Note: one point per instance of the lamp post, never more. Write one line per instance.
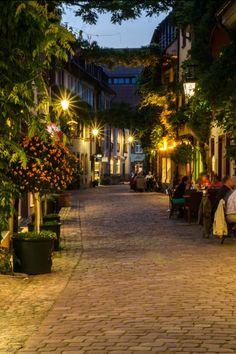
(130, 142)
(95, 131)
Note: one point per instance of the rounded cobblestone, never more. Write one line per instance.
(128, 280)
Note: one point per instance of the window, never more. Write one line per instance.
(166, 170)
(111, 167)
(138, 149)
(122, 80)
(117, 167)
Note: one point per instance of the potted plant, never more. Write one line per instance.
(48, 169)
(52, 217)
(54, 226)
(32, 251)
(50, 222)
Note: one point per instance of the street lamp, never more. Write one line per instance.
(65, 104)
(95, 132)
(189, 88)
(189, 80)
(130, 139)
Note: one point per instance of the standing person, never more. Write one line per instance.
(228, 185)
(149, 181)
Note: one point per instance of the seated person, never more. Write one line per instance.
(178, 196)
(231, 208)
(216, 183)
(224, 192)
(203, 180)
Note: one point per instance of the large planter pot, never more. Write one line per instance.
(51, 217)
(32, 256)
(53, 204)
(55, 228)
(64, 200)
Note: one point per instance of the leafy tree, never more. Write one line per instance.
(31, 37)
(49, 168)
(121, 10)
(183, 154)
(215, 100)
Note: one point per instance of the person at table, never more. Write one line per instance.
(228, 185)
(216, 183)
(178, 196)
(230, 209)
(203, 180)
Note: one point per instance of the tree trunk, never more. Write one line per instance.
(45, 205)
(38, 216)
(11, 220)
(15, 215)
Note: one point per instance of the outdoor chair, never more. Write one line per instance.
(174, 207)
(192, 205)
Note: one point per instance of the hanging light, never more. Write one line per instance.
(189, 88)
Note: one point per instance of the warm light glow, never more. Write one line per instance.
(65, 104)
(164, 145)
(95, 132)
(72, 122)
(172, 146)
(189, 89)
(130, 139)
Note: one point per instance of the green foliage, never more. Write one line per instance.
(216, 75)
(145, 56)
(120, 10)
(5, 261)
(51, 222)
(31, 38)
(156, 136)
(183, 154)
(178, 118)
(33, 235)
(119, 115)
(231, 150)
(200, 116)
(8, 191)
(200, 14)
(49, 166)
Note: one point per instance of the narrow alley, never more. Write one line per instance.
(127, 280)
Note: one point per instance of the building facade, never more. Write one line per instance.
(126, 154)
(88, 83)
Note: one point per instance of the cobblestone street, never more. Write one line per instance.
(128, 280)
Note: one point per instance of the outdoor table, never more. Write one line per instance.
(192, 203)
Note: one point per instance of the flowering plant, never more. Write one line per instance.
(49, 166)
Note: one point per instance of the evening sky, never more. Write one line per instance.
(130, 34)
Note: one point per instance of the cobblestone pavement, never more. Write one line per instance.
(143, 283)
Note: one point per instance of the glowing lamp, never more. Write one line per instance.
(65, 104)
(95, 132)
(189, 88)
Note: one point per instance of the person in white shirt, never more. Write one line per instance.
(231, 208)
